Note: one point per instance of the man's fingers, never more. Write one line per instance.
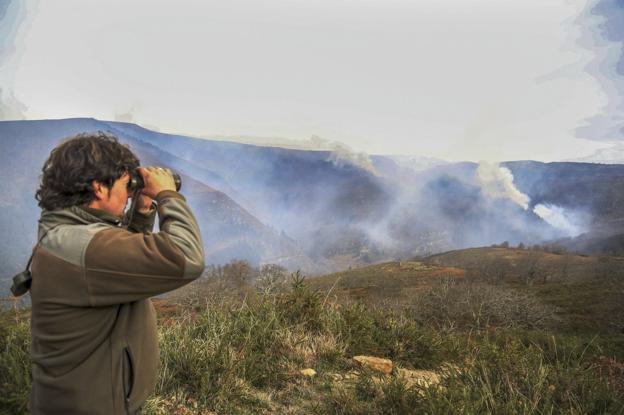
(157, 170)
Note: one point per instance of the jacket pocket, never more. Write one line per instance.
(128, 374)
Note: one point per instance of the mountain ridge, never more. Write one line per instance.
(322, 212)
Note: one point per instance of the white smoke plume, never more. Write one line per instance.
(497, 182)
(559, 218)
(342, 154)
(127, 116)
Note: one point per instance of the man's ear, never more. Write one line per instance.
(99, 189)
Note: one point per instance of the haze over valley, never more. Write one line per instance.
(323, 211)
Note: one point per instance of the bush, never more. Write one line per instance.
(472, 306)
(302, 305)
(224, 354)
(389, 335)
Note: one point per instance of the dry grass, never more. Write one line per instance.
(484, 348)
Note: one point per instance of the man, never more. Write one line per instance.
(94, 338)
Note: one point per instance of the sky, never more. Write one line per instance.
(481, 80)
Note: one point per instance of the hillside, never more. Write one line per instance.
(583, 293)
(390, 281)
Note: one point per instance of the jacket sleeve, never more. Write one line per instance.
(143, 222)
(122, 266)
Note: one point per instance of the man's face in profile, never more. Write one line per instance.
(114, 200)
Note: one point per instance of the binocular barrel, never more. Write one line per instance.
(137, 183)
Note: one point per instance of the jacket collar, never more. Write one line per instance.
(102, 215)
(76, 215)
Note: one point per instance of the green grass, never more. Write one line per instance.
(238, 356)
(14, 362)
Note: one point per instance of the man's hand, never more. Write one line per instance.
(156, 180)
(144, 204)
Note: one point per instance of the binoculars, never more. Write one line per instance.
(136, 181)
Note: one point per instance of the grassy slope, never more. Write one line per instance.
(587, 290)
(220, 354)
(391, 281)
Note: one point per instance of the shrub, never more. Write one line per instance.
(15, 378)
(302, 305)
(476, 306)
(389, 334)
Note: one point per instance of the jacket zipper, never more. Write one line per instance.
(128, 373)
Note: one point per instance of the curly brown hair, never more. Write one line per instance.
(73, 165)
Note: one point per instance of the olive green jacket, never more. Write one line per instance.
(94, 338)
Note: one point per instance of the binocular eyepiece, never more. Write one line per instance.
(136, 181)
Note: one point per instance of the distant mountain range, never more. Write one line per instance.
(321, 211)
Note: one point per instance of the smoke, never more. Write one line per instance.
(126, 116)
(130, 116)
(342, 154)
(497, 182)
(10, 107)
(559, 218)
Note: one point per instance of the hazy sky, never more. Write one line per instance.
(455, 79)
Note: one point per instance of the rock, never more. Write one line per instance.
(376, 363)
(308, 372)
